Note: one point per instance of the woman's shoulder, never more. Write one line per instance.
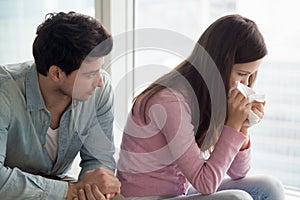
(167, 95)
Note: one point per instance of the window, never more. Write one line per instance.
(19, 20)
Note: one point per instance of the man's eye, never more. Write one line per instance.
(91, 75)
(242, 74)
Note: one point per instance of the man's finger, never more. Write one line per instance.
(97, 193)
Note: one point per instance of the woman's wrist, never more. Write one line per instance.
(233, 125)
(246, 144)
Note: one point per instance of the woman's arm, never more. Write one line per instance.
(204, 175)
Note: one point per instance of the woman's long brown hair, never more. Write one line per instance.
(229, 40)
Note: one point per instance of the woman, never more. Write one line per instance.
(185, 131)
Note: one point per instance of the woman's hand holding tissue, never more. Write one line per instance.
(238, 108)
(258, 108)
(253, 97)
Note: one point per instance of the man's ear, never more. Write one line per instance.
(55, 73)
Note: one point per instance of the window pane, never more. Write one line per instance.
(19, 20)
(276, 140)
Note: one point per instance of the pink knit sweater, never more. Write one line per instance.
(161, 158)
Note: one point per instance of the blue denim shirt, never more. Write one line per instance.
(85, 127)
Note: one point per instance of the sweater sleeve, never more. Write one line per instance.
(241, 164)
(204, 175)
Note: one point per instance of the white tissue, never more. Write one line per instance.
(252, 96)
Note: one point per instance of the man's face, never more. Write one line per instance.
(81, 84)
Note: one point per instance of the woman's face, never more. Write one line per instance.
(242, 71)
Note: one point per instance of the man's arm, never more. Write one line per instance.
(98, 148)
(14, 183)
(97, 176)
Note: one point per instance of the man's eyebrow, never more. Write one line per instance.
(92, 72)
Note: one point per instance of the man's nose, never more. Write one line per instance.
(100, 81)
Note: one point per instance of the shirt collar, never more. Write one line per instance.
(34, 97)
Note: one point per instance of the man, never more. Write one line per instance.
(55, 107)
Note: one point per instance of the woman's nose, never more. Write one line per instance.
(245, 81)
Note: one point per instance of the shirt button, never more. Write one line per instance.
(46, 122)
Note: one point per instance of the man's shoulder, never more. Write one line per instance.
(14, 71)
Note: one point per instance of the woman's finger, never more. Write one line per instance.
(258, 113)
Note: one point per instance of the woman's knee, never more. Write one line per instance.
(272, 187)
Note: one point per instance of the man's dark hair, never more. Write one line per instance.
(66, 39)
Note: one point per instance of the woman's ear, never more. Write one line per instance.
(55, 73)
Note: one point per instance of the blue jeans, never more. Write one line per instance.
(248, 188)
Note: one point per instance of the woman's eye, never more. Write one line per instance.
(242, 74)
